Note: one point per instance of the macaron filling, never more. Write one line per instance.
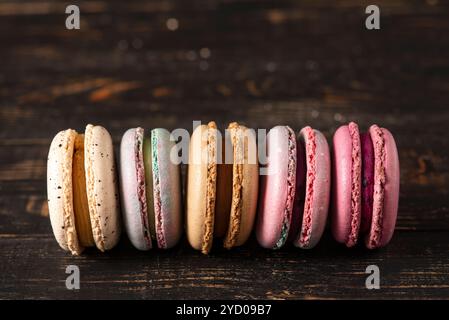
(310, 146)
(141, 192)
(224, 191)
(147, 158)
(300, 192)
(291, 186)
(374, 238)
(367, 182)
(157, 193)
(211, 181)
(355, 184)
(80, 203)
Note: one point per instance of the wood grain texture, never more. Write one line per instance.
(266, 63)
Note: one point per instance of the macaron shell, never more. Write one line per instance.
(386, 188)
(392, 185)
(274, 188)
(131, 204)
(200, 192)
(249, 204)
(167, 195)
(60, 192)
(245, 186)
(318, 184)
(346, 213)
(102, 190)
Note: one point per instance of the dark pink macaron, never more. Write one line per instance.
(347, 184)
(365, 186)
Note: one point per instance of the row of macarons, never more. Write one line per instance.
(90, 201)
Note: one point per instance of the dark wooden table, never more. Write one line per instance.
(260, 63)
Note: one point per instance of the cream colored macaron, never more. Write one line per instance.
(82, 190)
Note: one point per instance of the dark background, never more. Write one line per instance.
(267, 63)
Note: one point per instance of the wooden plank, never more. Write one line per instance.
(414, 265)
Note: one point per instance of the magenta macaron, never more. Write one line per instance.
(365, 186)
(150, 189)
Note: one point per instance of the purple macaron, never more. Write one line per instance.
(150, 189)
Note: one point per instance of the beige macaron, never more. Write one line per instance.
(222, 184)
(82, 190)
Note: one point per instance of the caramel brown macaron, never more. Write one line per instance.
(222, 186)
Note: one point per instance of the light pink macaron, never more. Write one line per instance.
(277, 189)
(313, 189)
(366, 186)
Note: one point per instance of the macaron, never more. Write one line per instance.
(366, 186)
(150, 189)
(82, 190)
(313, 183)
(277, 190)
(222, 186)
